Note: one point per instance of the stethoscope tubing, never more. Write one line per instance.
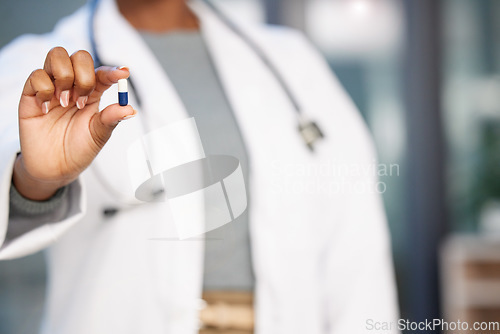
(308, 130)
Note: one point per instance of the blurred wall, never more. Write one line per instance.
(32, 16)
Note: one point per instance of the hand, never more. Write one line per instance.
(60, 127)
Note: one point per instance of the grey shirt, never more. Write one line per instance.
(27, 215)
(188, 64)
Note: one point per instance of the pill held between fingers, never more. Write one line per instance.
(122, 92)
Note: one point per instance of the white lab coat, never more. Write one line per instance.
(321, 256)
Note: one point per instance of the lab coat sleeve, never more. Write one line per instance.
(359, 285)
(16, 63)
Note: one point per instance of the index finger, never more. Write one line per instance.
(107, 76)
(60, 69)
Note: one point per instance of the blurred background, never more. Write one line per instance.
(425, 76)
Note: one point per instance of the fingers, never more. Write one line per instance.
(40, 85)
(71, 75)
(103, 123)
(85, 80)
(69, 79)
(59, 67)
(107, 76)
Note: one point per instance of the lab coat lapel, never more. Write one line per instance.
(180, 262)
(160, 104)
(128, 48)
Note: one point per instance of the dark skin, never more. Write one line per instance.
(158, 15)
(59, 105)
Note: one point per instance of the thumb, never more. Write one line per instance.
(103, 123)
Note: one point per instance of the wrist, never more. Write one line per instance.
(33, 188)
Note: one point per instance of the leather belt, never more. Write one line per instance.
(227, 312)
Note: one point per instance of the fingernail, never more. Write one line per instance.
(128, 117)
(45, 107)
(80, 102)
(124, 68)
(64, 100)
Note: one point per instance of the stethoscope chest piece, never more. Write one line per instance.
(310, 133)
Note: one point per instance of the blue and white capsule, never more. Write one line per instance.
(122, 92)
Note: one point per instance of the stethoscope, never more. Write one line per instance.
(309, 130)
